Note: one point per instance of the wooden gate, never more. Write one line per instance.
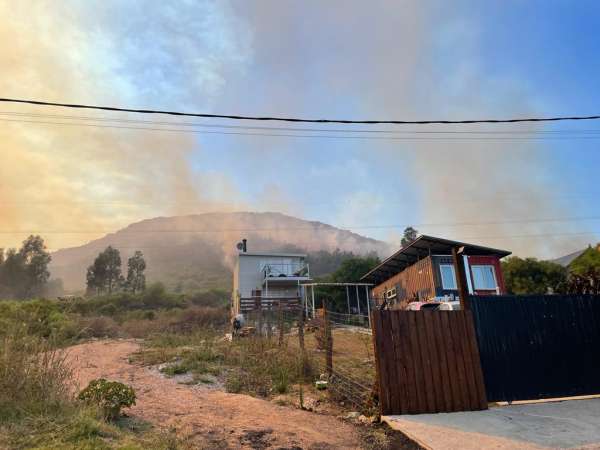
(427, 362)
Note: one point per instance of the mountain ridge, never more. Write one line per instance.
(196, 251)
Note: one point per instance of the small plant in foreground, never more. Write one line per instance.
(110, 396)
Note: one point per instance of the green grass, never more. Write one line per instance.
(83, 429)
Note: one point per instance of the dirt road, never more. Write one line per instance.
(215, 419)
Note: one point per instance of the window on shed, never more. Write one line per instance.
(484, 277)
(448, 277)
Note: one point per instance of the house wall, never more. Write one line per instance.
(415, 282)
(248, 276)
(492, 261)
(423, 280)
(437, 276)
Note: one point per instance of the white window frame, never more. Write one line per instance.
(391, 293)
(453, 288)
(478, 266)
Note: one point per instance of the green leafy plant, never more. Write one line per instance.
(110, 396)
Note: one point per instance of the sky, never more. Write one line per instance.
(529, 189)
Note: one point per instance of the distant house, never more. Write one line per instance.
(272, 277)
(424, 271)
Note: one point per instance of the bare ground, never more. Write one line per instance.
(213, 419)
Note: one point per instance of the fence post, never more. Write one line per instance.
(280, 311)
(258, 309)
(328, 340)
(269, 313)
(301, 341)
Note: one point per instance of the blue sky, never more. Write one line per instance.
(399, 60)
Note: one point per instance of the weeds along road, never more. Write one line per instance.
(212, 418)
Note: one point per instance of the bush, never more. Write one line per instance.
(198, 317)
(97, 327)
(110, 396)
(35, 378)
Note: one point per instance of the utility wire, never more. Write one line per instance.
(308, 228)
(304, 129)
(315, 136)
(293, 119)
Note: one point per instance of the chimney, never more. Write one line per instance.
(244, 248)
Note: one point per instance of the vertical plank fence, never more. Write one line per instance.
(539, 346)
(427, 362)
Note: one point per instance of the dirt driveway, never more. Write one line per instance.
(215, 419)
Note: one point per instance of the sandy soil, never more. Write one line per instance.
(213, 418)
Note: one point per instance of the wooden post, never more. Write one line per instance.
(269, 313)
(258, 307)
(281, 322)
(301, 341)
(461, 279)
(328, 341)
(368, 305)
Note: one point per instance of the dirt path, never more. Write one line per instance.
(216, 419)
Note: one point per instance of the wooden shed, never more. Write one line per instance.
(424, 270)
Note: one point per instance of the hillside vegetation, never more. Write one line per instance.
(191, 253)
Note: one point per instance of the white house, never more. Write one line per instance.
(278, 276)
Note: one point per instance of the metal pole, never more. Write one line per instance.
(348, 299)
(461, 278)
(368, 305)
(357, 299)
(313, 301)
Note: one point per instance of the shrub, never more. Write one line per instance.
(34, 377)
(111, 396)
(197, 316)
(98, 327)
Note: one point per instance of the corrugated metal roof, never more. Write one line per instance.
(420, 248)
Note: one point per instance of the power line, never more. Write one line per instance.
(496, 237)
(317, 136)
(304, 129)
(293, 119)
(316, 227)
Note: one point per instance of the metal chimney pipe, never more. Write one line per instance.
(244, 245)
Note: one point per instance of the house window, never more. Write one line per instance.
(391, 293)
(484, 277)
(448, 277)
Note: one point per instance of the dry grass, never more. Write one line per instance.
(34, 377)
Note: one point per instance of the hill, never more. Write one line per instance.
(197, 251)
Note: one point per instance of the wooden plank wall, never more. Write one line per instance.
(416, 281)
(427, 362)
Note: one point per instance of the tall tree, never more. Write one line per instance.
(36, 259)
(136, 280)
(410, 234)
(531, 276)
(24, 273)
(104, 275)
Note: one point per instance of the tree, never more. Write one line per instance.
(24, 273)
(136, 280)
(349, 271)
(588, 261)
(36, 260)
(584, 273)
(104, 275)
(531, 276)
(410, 234)
(352, 269)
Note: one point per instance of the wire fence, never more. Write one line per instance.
(339, 345)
